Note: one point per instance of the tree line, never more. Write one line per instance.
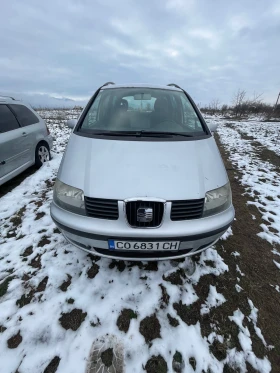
(242, 106)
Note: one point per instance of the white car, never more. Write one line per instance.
(24, 138)
(142, 177)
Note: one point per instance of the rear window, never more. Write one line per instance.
(24, 115)
(142, 109)
(8, 121)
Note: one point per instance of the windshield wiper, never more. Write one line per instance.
(141, 133)
(114, 133)
(160, 133)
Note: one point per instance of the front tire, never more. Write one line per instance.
(42, 154)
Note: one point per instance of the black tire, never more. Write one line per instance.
(42, 154)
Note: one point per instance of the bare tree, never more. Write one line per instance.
(238, 101)
(224, 109)
(243, 106)
(214, 106)
(257, 98)
(255, 105)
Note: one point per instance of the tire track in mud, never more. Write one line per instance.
(255, 261)
(261, 150)
(260, 178)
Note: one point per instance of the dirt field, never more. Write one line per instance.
(58, 306)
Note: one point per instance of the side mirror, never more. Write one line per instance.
(71, 123)
(212, 127)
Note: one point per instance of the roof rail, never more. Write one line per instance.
(108, 83)
(8, 97)
(174, 85)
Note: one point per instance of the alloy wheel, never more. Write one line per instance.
(43, 154)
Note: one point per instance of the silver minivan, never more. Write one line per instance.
(24, 138)
(142, 177)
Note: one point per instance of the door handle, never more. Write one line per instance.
(24, 134)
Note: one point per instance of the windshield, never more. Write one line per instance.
(142, 110)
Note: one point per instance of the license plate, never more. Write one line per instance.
(141, 246)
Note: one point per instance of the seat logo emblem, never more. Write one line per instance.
(144, 214)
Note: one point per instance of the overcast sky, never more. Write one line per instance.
(68, 48)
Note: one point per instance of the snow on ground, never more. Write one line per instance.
(246, 343)
(260, 178)
(56, 120)
(266, 133)
(56, 300)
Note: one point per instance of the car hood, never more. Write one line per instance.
(120, 169)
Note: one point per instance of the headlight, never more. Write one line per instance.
(217, 200)
(69, 198)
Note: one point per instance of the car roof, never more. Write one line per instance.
(11, 100)
(141, 85)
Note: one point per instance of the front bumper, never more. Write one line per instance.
(92, 234)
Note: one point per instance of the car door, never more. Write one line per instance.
(13, 142)
(30, 124)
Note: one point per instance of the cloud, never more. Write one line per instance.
(205, 35)
(71, 48)
(275, 9)
(240, 22)
(181, 5)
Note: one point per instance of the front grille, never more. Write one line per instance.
(132, 209)
(187, 210)
(102, 208)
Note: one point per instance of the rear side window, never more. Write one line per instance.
(24, 115)
(8, 121)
